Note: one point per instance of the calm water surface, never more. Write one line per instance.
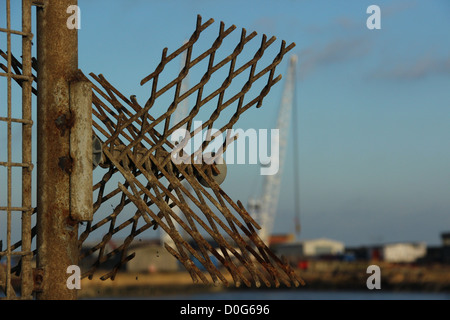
(311, 295)
(297, 295)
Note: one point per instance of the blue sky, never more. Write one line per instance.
(373, 105)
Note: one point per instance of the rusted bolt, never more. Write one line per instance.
(64, 122)
(66, 164)
(38, 279)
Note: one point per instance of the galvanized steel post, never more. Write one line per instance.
(57, 231)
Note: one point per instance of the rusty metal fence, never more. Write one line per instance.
(15, 154)
(139, 185)
(140, 152)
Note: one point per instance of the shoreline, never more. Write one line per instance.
(323, 276)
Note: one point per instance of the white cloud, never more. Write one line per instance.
(413, 69)
(336, 51)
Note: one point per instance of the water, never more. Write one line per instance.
(309, 295)
(296, 295)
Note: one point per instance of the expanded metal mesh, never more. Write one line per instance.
(16, 157)
(214, 227)
(140, 186)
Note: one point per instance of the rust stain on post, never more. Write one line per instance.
(57, 52)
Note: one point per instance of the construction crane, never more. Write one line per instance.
(264, 208)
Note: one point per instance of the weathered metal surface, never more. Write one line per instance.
(26, 272)
(81, 199)
(57, 55)
(212, 227)
(21, 269)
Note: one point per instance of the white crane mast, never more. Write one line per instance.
(268, 203)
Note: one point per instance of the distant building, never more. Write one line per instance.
(434, 255)
(151, 258)
(359, 253)
(439, 254)
(404, 252)
(401, 252)
(277, 239)
(294, 251)
(91, 258)
(445, 239)
(445, 247)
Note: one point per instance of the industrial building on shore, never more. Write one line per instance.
(150, 256)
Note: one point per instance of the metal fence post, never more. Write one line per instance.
(57, 232)
(16, 275)
(26, 287)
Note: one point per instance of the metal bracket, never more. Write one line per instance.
(81, 147)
